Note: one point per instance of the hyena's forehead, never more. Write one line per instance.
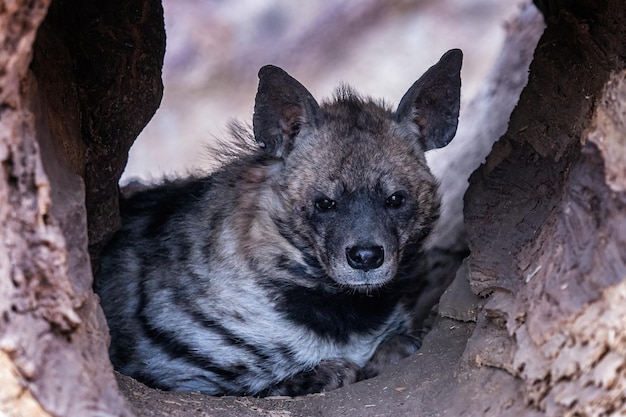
(344, 161)
(356, 124)
(358, 143)
(384, 147)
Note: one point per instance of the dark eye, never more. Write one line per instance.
(395, 200)
(325, 204)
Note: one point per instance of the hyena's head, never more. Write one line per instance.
(354, 188)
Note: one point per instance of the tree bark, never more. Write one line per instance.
(546, 217)
(75, 90)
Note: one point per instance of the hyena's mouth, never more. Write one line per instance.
(363, 268)
(363, 280)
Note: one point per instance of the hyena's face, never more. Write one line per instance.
(354, 187)
(358, 192)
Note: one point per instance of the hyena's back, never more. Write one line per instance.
(282, 272)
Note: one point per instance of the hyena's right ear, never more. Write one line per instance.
(432, 103)
(282, 106)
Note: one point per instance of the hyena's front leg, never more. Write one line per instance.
(328, 375)
(390, 352)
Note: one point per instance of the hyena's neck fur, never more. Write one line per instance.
(253, 224)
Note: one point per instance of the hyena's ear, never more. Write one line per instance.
(433, 102)
(282, 107)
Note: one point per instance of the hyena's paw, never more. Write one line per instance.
(390, 352)
(328, 375)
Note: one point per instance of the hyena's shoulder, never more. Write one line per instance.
(155, 206)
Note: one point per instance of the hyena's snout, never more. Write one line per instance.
(362, 263)
(365, 258)
(360, 248)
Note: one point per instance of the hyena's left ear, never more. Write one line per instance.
(282, 107)
(433, 102)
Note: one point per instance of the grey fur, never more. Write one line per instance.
(283, 272)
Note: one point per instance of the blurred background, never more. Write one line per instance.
(216, 47)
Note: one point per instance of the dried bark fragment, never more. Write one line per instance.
(43, 337)
(607, 131)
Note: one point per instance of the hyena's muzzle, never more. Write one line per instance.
(361, 244)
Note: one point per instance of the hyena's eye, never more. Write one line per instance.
(395, 200)
(325, 204)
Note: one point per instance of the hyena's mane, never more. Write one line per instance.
(182, 188)
(358, 110)
(347, 95)
(240, 144)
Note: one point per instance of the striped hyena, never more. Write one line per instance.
(286, 270)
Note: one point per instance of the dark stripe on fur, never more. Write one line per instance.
(335, 314)
(198, 316)
(171, 345)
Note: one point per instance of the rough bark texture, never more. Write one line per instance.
(113, 54)
(48, 352)
(545, 219)
(93, 83)
(22, 223)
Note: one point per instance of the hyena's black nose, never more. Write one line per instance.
(365, 257)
